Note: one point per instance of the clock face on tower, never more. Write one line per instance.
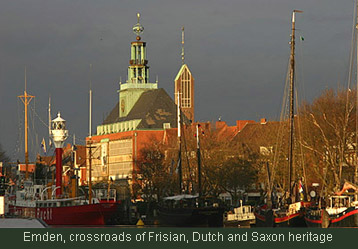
(122, 105)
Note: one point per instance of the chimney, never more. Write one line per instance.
(263, 121)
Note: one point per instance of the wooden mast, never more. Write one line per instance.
(26, 99)
(199, 159)
(291, 114)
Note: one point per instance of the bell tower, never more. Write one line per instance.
(138, 73)
(184, 84)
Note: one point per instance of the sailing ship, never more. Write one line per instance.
(47, 202)
(291, 212)
(186, 210)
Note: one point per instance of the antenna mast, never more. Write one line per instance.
(26, 99)
(182, 45)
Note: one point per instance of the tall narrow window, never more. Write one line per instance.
(185, 89)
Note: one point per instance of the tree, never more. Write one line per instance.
(153, 174)
(328, 135)
(236, 175)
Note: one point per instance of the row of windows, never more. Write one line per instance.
(185, 89)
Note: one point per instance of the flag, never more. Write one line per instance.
(300, 187)
(43, 145)
(301, 190)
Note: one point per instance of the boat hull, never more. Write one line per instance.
(321, 219)
(90, 214)
(191, 217)
(270, 218)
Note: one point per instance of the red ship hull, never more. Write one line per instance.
(90, 214)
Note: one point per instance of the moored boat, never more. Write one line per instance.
(290, 216)
(49, 203)
(243, 216)
(288, 212)
(341, 211)
(31, 203)
(190, 211)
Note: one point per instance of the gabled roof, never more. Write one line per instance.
(153, 108)
(181, 71)
(257, 134)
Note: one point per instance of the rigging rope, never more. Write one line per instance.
(352, 48)
(279, 138)
(301, 80)
(17, 148)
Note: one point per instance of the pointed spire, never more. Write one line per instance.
(182, 45)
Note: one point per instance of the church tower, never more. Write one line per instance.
(184, 84)
(138, 74)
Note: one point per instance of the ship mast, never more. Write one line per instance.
(199, 158)
(90, 142)
(26, 99)
(291, 111)
(179, 144)
(49, 118)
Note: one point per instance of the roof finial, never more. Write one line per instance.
(138, 28)
(182, 45)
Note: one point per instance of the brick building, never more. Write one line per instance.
(143, 113)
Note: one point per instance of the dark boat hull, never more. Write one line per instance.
(270, 218)
(321, 219)
(90, 214)
(191, 217)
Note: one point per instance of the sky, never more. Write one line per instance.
(237, 51)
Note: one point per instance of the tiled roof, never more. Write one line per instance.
(154, 108)
(257, 134)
